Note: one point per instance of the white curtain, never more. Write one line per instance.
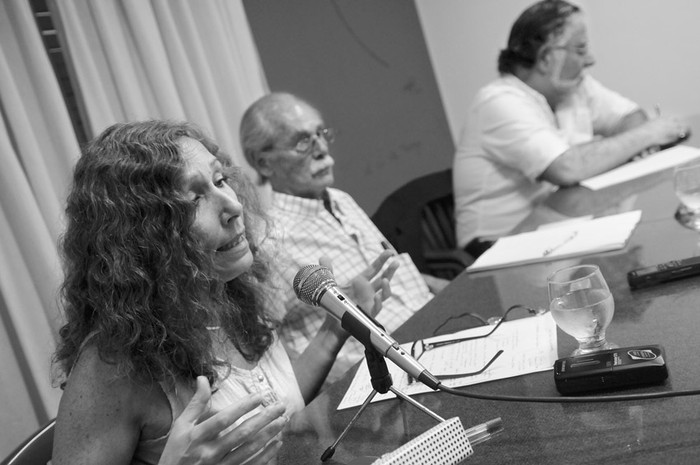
(37, 150)
(189, 60)
(176, 59)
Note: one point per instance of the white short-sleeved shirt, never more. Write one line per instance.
(510, 138)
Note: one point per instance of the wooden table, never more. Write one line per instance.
(636, 432)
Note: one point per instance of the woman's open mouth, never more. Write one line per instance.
(229, 245)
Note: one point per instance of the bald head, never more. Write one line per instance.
(265, 122)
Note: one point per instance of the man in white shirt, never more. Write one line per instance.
(286, 141)
(543, 123)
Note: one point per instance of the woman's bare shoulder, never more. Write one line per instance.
(100, 386)
(103, 413)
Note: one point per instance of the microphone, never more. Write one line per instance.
(315, 285)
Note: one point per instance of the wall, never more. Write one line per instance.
(646, 49)
(365, 65)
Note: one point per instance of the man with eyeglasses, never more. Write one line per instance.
(543, 123)
(287, 142)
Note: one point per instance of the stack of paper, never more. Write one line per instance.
(650, 164)
(555, 243)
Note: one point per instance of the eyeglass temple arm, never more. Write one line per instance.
(473, 373)
(432, 345)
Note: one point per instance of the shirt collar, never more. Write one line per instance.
(303, 205)
(514, 81)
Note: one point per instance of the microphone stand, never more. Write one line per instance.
(381, 383)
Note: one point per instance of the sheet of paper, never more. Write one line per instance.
(656, 162)
(529, 345)
(568, 239)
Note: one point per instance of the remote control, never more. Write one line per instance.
(664, 272)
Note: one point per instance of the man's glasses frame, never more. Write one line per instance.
(578, 50)
(305, 143)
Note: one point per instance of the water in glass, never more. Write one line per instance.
(582, 305)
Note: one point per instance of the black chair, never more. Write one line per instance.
(35, 450)
(418, 218)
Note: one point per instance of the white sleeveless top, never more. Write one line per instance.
(272, 377)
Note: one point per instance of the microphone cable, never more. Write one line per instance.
(569, 399)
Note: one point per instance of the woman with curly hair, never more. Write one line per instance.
(167, 355)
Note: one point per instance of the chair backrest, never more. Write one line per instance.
(418, 218)
(438, 222)
(35, 450)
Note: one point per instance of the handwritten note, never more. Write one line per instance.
(529, 345)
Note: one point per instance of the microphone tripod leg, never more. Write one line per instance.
(416, 404)
(381, 382)
(328, 453)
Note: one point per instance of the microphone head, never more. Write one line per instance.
(311, 281)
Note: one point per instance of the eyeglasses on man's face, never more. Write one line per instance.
(305, 141)
(580, 51)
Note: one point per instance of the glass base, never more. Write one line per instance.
(688, 218)
(589, 349)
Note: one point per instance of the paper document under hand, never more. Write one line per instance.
(529, 345)
(568, 240)
(650, 164)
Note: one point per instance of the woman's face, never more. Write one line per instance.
(219, 215)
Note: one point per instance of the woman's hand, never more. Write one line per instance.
(196, 438)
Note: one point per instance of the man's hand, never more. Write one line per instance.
(371, 287)
(368, 290)
(665, 131)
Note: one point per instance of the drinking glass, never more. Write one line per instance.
(582, 306)
(686, 182)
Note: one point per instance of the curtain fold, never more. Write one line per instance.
(174, 59)
(37, 150)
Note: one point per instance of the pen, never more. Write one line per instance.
(561, 244)
(485, 431)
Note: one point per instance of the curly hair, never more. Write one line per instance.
(134, 272)
(531, 31)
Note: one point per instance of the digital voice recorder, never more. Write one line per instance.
(610, 369)
(664, 272)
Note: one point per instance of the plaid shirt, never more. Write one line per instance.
(307, 231)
